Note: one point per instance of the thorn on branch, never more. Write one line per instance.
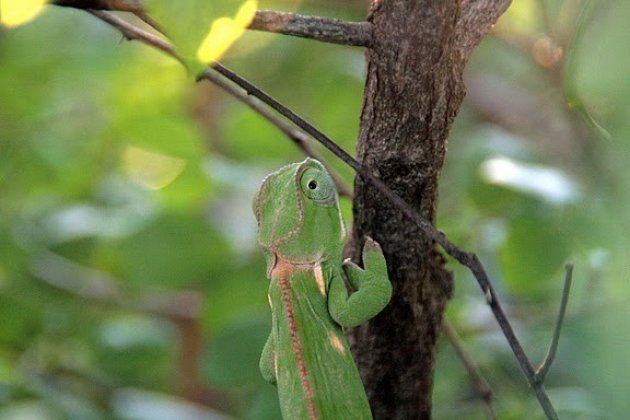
(488, 295)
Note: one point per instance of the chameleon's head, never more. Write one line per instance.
(298, 213)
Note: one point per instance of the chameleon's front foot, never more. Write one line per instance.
(371, 284)
(375, 267)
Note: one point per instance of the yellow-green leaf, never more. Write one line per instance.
(16, 12)
(224, 32)
(202, 30)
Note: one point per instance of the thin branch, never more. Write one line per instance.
(183, 309)
(542, 370)
(334, 31)
(96, 286)
(143, 16)
(468, 259)
(322, 29)
(132, 32)
(476, 378)
(113, 5)
(299, 138)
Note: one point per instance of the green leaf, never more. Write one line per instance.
(532, 253)
(174, 251)
(233, 355)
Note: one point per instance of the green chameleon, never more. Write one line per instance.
(306, 355)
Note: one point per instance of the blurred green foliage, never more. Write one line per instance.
(130, 283)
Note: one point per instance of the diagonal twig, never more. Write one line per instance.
(476, 378)
(542, 370)
(182, 309)
(335, 31)
(468, 259)
(298, 137)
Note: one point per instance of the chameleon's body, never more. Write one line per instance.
(307, 355)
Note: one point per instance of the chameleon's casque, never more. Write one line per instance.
(307, 356)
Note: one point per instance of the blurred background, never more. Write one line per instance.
(130, 283)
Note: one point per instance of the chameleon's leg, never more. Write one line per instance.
(372, 288)
(267, 362)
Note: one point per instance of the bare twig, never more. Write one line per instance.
(468, 259)
(114, 5)
(132, 32)
(322, 29)
(299, 138)
(542, 370)
(143, 16)
(476, 378)
(96, 286)
(183, 309)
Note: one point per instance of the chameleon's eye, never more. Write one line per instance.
(317, 185)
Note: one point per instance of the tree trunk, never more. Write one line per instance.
(413, 91)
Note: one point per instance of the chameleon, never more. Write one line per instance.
(307, 356)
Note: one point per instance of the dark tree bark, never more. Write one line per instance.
(413, 91)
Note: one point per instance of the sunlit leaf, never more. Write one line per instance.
(521, 16)
(17, 12)
(224, 32)
(151, 170)
(202, 30)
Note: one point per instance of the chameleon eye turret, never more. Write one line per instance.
(318, 186)
(306, 355)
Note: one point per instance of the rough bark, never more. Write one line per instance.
(414, 88)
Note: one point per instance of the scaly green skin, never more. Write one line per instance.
(307, 355)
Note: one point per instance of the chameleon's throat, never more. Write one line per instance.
(298, 264)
